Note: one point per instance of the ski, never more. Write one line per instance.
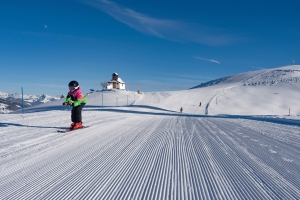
(70, 130)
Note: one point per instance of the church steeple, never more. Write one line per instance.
(115, 76)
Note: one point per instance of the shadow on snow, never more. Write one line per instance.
(23, 125)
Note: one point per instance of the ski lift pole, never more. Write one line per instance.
(22, 100)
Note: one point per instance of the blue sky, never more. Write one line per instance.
(152, 45)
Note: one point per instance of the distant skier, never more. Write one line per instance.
(76, 99)
(181, 109)
(200, 104)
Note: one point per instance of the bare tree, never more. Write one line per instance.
(104, 85)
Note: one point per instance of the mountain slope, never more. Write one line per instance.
(264, 92)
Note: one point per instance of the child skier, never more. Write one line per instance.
(76, 99)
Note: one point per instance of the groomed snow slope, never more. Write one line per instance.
(145, 151)
(127, 155)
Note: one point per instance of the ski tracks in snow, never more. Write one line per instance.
(131, 156)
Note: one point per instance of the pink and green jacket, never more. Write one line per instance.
(77, 97)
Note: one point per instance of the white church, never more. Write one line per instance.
(115, 83)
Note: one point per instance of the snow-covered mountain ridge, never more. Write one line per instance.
(273, 77)
(13, 101)
(282, 75)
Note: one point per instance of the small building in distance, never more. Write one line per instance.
(115, 83)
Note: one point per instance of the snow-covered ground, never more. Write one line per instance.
(227, 148)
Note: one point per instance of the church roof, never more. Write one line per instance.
(120, 80)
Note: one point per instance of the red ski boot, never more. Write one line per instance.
(77, 125)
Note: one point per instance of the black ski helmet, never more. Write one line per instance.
(73, 84)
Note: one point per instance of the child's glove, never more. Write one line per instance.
(70, 103)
